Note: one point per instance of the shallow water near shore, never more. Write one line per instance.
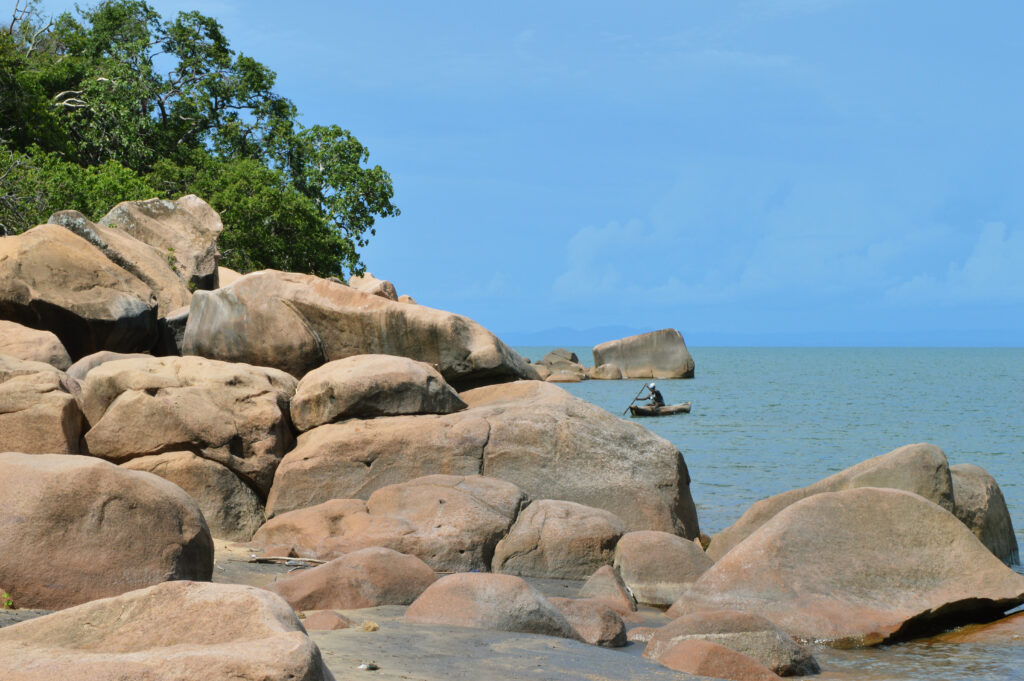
(766, 420)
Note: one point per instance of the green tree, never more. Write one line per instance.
(167, 105)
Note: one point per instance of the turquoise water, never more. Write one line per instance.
(765, 420)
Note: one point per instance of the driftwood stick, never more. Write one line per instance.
(285, 559)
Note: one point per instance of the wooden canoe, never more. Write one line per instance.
(667, 410)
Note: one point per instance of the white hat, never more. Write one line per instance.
(652, 385)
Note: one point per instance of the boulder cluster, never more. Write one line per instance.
(657, 354)
(151, 401)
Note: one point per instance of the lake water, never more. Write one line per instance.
(765, 420)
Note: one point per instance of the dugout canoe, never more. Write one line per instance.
(667, 410)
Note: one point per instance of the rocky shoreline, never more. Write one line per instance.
(278, 476)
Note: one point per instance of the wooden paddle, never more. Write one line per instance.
(635, 399)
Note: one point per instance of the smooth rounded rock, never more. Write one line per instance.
(362, 579)
(38, 414)
(177, 631)
(918, 468)
(709, 659)
(367, 386)
(606, 372)
(34, 345)
(606, 586)
(659, 567)
(859, 567)
(594, 622)
(78, 528)
(658, 354)
(488, 601)
(980, 506)
(558, 539)
(367, 283)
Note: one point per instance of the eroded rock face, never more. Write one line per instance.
(362, 579)
(366, 386)
(232, 510)
(532, 434)
(659, 567)
(658, 354)
(751, 635)
(918, 468)
(233, 414)
(148, 264)
(451, 522)
(176, 631)
(559, 539)
(38, 414)
(594, 622)
(368, 283)
(184, 231)
(980, 506)
(297, 322)
(33, 345)
(57, 281)
(488, 601)
(80, 529)
(858, 567)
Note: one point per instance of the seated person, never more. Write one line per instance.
(656, 400)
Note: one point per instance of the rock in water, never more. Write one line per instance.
(920, 468)
(178, 631)
(37, 413)
(532, 434)
(658, 354)
(297, 322)
(54, 280)
(980, 505)
(78, 528)
(234, 414)
(859, 567)
(749, 634)
(185, 231)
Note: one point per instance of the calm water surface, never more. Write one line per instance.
(766, 420)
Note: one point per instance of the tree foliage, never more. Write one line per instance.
(120, 104)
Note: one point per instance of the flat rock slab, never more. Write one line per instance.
(406, 651)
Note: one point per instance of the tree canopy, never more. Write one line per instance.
(119, 104)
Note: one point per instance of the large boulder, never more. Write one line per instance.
(658, 354)
(184, 231)
(859, 567)
(558, 539)
(659, 567)
(296, 322)
(980, 506)
(148, 264)
(488, 601)
(34, 345)
(79, 369)
(367, 283)
(746, 633)
(918, 468)
(564, 366)
(55, 280)
(232, 510)
(362, 579)
(366, 386)
(533, 434)
(177, 631)
(451, 522)
(234, 414)
(38, 414)
(78, 528)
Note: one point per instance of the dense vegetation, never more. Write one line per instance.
(120, 104)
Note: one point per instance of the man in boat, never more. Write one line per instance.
(654, 395)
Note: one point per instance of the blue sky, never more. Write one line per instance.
(765, 172)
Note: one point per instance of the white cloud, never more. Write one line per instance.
(992, 272)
